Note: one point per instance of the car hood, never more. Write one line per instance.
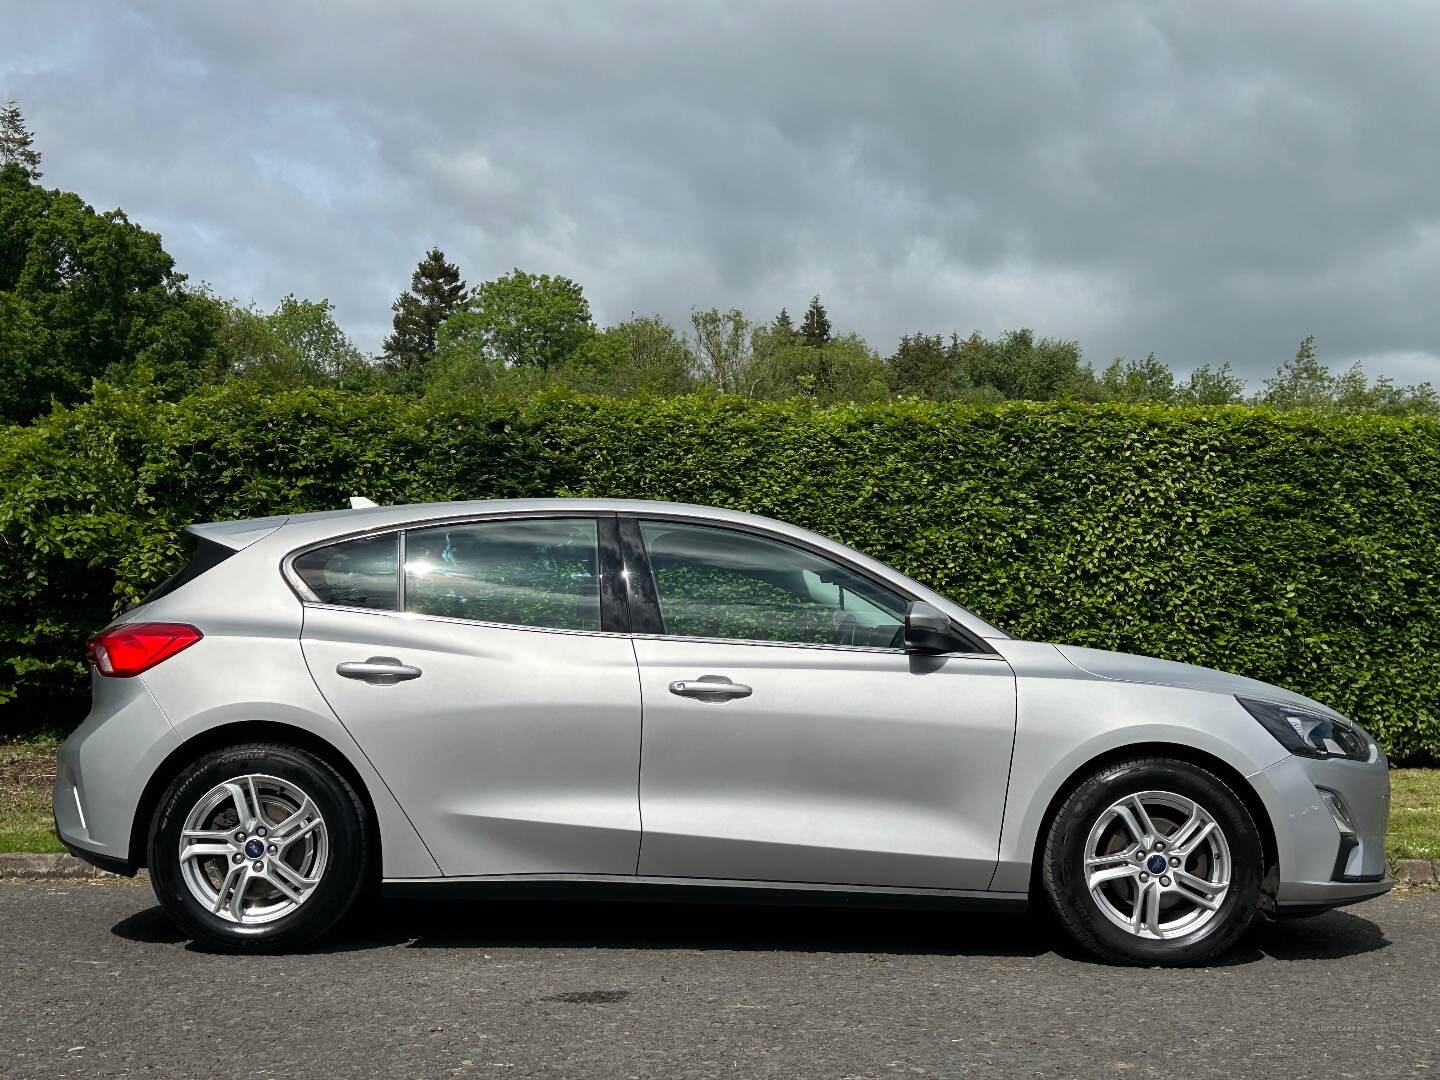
(1128, 667)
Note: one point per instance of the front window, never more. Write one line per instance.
(722, 583)
(526, 572)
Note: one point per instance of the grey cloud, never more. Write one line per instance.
(1210, 182)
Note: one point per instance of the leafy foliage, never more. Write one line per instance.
(1297, 548)
(298, 344)
(1015, 366)
(85, 295)
(521, 320)
(843, 369)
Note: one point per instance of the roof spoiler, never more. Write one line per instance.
(237, 535)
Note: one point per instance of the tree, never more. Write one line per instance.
(773, 337)
(85, 295)
(436, 292)
(1355, 393)
(815, 329)
(298, 344)
(1211, 386)
(1300, 383)
(723, 350)
(15, 140)
(925, 366)
(642, 355)
(1020, 367)
(844, 369)
(1138, 381)
(523, 320)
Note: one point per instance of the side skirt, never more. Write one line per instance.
(591, 887)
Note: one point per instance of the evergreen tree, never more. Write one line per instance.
(923, 367)
(15, 140)
(816, 327)
(436, 292)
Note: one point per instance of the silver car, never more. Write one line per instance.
(588, 696)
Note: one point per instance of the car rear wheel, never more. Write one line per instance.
(258, 847)
(1154, 861)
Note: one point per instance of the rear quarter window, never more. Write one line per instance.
(353, 573)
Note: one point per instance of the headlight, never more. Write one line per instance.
(1310, 734)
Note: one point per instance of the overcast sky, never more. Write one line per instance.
(1207, 181)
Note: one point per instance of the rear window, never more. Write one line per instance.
(353, 573)
(543, 572)
(203, 555)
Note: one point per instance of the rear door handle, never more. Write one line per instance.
(710, 688)
(378, 670)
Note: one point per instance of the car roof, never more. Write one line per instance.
(321, 524)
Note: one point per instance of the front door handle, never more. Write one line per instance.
(378, 670)
(710, 688)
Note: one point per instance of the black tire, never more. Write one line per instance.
(345, 874)
(1063, 863)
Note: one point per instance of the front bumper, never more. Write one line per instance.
(1329, 818)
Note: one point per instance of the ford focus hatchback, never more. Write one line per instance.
(591, 695)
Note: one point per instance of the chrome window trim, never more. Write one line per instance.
(309, 600)
(798, 544)
(302, 591)
(815, 645)
(415, 616)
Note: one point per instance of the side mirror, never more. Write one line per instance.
(927, 628)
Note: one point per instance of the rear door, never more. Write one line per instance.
(483, 667)
(790, 737)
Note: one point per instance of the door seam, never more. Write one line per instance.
(640, 759)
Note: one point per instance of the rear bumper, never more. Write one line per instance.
(103, 769)
(123, 867)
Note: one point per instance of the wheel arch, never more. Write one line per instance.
(1193, 756)
(231, 734)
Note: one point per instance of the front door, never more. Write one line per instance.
(790, 738)
(488, 688)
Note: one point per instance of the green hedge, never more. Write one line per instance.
(1297, 549)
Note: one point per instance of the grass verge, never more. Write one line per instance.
(1414, 814)
(27, 770)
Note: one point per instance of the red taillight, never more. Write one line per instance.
(123, 651)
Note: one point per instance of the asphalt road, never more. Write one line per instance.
(95, 982)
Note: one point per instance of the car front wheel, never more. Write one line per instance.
(1154, 861)
(258, 847)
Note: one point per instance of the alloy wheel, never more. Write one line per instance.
(253, 849)
(1157, 865)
